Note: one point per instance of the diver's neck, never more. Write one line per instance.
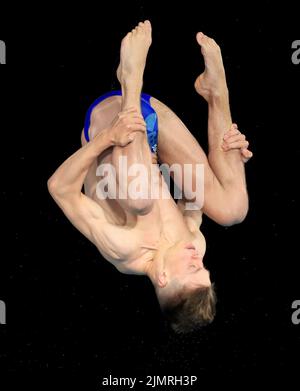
(169, 238)
(175, 231)
(172, 232)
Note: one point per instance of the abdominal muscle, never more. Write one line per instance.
(145, 231)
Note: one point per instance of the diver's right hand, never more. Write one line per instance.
(125, 126)
(234, 139)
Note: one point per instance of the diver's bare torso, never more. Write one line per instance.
(145, 232)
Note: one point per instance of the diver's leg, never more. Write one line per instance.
(225, 195)
(134, 49)
(101, 117)
(227, 165)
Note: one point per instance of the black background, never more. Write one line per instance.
(71, 314)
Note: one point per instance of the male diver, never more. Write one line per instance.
(157, 237)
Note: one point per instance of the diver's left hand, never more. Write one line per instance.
(234, 139)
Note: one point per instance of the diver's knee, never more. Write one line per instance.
(235, 215)
(140, 207)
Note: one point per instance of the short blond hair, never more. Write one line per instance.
(195, 309)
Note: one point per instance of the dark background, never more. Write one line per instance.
(71, 314)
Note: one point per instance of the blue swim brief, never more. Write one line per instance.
(148, 112)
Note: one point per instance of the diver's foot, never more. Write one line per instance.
(133, 55)
(212, 82)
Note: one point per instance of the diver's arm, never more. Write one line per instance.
(66, 183)
(69, 177)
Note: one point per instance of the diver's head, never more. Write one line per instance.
(188, 310)
(183, 287)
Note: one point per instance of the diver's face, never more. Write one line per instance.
(185, 263)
